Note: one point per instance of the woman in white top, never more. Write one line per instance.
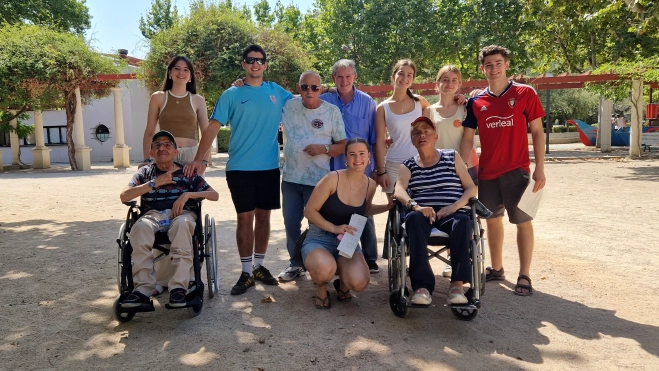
(448, 114)
(393, 116)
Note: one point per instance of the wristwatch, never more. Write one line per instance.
(326, 148)
(410, 204)
(152, 184)
(204, 162)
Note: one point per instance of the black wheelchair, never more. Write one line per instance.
(399, 300)
(203, 247)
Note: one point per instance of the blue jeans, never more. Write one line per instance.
(369, 240)
(295, 197)
(318, 238)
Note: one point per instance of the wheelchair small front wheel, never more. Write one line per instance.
(464, 314)
(118, 315)
(398, 304)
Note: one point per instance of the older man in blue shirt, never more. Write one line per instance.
(358, 111)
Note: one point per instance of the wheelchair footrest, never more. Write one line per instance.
(472, 306)
(191, 303)
(412, 305)
(142, 308)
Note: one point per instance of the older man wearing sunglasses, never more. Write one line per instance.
(314, 134)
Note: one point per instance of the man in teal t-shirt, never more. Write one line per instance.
(254, 113)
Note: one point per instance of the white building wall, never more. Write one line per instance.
(135, 100)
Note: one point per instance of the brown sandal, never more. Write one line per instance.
(341, 295)
(326, 302)
(523, 286)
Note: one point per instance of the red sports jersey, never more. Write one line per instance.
(502, 122)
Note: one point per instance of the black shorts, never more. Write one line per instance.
(505, 192)
(254, 189)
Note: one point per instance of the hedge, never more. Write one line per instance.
(223, 139)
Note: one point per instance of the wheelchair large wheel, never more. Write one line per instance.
(121, 317)
(398, 303)
(120, 249)
(386, 247)
(211, 256)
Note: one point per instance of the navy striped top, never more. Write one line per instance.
(437, 185)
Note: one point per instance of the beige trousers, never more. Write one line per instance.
(186, 155)
(142, 238)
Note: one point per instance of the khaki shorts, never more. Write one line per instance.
(505, 192)
(186, 155)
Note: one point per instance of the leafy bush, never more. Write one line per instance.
(223, 140)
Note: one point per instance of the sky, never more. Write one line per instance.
(115, 23)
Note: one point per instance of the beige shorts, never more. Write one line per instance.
(186, 154)
(391, 168)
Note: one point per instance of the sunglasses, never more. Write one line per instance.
(306, 87)
(167, 145)
(252, 60)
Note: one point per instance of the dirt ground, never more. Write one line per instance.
(594, 273)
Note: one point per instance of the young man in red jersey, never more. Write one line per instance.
(502, 113)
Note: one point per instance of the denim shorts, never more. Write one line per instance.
(321, 239)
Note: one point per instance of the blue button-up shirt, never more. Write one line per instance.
(359, 121)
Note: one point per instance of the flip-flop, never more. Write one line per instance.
(346, 294)
(324, 301)
(494, 275)
(523, 286)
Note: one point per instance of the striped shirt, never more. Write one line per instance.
(164, 197)
(437, 185)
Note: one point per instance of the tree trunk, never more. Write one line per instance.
(70, 108)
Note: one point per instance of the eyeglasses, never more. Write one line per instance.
(306, 87)
(252, 60)
(167, 145)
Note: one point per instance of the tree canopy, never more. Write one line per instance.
(62, 15)
(160, 17)
(41, 68)
(213, 36)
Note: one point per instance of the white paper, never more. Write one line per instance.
(530, 202)
(349, 241)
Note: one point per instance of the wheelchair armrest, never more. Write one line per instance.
(480, 209)
(130, 203)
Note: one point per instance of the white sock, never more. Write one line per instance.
(258, 259)
(246, 261)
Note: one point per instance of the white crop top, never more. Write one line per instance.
(399, 127)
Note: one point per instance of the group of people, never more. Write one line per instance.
(339, 147)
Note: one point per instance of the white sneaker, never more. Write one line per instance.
(447, 271)
(422, 297)
(291, 273)
(456, 296)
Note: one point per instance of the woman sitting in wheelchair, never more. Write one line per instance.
(436, 187)
(338, 196)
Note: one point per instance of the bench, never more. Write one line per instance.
(650, 140)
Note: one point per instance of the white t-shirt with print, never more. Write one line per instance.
(303, 126)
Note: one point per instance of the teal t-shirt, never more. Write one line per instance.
(254, 114)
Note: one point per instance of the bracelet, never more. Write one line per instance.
(382, 173)
(204, 162)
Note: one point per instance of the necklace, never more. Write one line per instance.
(357, 186)
(179, 96)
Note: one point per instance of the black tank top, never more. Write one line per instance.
(336, 212)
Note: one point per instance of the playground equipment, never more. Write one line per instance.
(619, 137)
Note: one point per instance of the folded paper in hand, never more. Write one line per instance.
(530, 202)
(349, 241)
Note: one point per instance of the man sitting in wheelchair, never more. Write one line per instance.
(436, 187)
(166, 201)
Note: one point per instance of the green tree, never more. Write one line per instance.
(288, 19)
(213, 36)
(161, 17)
(41, 69)
(21, 130)
(62, 15)
(263, 14)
